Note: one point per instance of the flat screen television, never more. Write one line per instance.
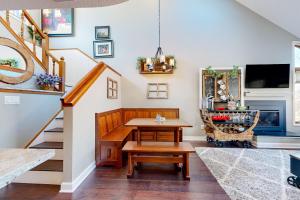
(267, 76)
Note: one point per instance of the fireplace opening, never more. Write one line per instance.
(272, 120)
(269, 118)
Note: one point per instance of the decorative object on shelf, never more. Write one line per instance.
(222, 84)
(47, 81)
(103, 49)
(11, 62)
(242, 108)
(214, 73)
(112, 89)
(102, 32)
(158, 91)
(232, 105)
(234, 73)
(160, 63)
(222, 90)
(218, 74)
(58, 22)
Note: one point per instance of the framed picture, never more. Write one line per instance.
(58, 22)
(102, 32)
(112, 89)
(103, 49)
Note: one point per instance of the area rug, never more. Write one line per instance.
(251, 174)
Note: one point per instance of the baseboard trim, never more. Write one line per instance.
(70, 187)
(194, 138)
(275, 145)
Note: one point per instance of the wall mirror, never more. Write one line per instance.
(16, 65)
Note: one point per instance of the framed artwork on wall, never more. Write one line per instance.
(158, 91)
(58, 22)
(102, 32)
(112, 89)
(103, 49)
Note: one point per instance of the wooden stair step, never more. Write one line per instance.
(50, 165)
(54, 130)
(48, 145)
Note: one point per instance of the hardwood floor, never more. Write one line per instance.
(154, 182)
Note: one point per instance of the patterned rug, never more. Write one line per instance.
(251, 174)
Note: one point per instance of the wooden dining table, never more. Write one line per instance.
(175, 152)
(144, 124)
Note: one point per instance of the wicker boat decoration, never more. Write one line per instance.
(234, 126)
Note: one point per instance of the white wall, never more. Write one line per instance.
(79, 128)
(20, 123)
(77, 64)
(199, 33)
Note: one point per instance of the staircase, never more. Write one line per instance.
(51, 171)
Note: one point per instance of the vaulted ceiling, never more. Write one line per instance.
(283, 13)
(38, 4)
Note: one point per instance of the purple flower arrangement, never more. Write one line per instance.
(47, 80)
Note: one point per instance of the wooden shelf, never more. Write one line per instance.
(156, 72)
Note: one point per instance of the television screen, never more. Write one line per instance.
(267, 76)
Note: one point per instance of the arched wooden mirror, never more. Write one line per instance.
(16, 65)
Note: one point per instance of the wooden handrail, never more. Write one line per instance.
(31, 21)
(52, 57)
(71, 98)
(43, 128)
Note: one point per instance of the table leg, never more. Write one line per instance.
(186, 166)
(130, 166)
(176, 135)
(138, 137)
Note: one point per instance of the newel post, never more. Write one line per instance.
(62, 73)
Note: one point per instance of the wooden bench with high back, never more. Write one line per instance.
(112, 135)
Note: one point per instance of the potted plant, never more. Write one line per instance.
(47, 81)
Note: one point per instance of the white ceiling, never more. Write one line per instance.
(38, 4)
(283, 13)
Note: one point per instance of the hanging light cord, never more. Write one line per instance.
(158, 23)
(159, 50)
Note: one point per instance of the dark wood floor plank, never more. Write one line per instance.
(48, 145)
(154, 182)
(50, 165)
(55, 130)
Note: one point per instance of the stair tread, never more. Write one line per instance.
(48, 145)
(60, 118)
(57, 129)
(50, 165)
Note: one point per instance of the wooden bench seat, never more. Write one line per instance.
(118, 135)
(112, 135)
(151, 152)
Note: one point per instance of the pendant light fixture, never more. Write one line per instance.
(160, 62)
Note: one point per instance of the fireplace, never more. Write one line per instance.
(272, 120)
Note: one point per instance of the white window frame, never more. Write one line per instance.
(294, 83)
